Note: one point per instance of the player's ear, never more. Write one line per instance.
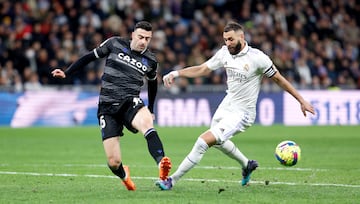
(241, 35)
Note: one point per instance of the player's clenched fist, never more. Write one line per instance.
(169, 78)
(58, 73)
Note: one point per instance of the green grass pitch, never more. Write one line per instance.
(68, 165)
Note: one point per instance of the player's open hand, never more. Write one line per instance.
(307, 107)
(58, 73)
(169, 78)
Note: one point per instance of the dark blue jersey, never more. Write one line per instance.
(124, 69)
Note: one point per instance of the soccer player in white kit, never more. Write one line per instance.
(245, 66)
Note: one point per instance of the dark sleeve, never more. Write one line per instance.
(152, 90)
(80, 63)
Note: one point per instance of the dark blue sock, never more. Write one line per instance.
(154, 145)
(120, 172)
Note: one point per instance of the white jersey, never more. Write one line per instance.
(244, 74)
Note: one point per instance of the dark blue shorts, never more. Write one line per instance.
(114, 116)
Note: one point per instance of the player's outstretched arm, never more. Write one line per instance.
(286, 85)
(189, 72)
(77, 65)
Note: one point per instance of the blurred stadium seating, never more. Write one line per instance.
(315, 44)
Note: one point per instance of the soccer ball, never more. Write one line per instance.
(288, 153)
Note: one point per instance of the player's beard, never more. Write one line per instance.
(236, 49)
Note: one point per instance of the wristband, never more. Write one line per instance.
(175, 73)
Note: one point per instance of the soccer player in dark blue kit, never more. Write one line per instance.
(128, 61)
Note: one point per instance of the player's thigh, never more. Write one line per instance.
(224, 109)
(110, 126)
(143, 120)
(229, 125)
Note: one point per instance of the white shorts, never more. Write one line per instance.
(228, 120)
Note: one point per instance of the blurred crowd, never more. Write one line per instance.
(314, 43)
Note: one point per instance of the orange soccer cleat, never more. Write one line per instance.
(165, 166)
(128, 183)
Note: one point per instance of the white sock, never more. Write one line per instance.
(229, 148)
(192, 159)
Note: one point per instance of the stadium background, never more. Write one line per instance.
(315, 44)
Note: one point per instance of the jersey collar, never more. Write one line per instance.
(242, 52)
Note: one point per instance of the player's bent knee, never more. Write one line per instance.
(114, 162)
(209, 138)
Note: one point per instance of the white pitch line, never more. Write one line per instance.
(197, 167)
(265, 168)
(185, 179)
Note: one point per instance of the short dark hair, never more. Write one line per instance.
(143, 25)
(233, 26)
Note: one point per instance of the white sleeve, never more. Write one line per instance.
(267, 66)
(215, 61)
